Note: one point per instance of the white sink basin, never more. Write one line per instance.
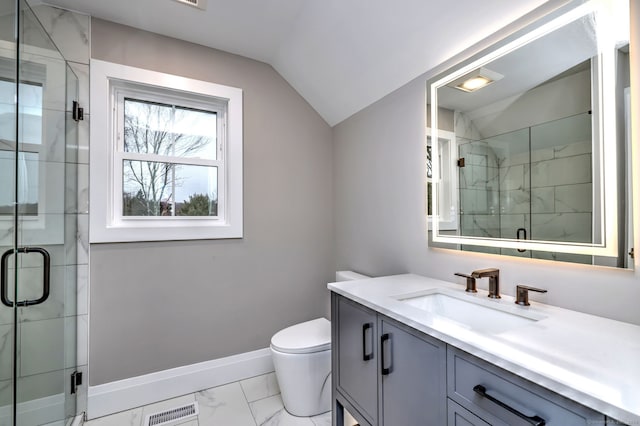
(487, 316)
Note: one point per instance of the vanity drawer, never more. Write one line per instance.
(501, 398)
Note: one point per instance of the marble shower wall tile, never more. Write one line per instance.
(81, 70)
(561, 171)
(574, 198)
(574, 227)
(68, 30)
(572, 149)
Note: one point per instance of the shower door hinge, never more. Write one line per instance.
(76, 380)
(78, 113)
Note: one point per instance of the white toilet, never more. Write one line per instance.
(302, 359)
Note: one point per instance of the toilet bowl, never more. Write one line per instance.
(302, 359)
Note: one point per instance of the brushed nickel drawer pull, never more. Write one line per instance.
(533, 420)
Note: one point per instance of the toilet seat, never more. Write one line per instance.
(304, 338)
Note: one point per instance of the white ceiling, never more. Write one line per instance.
(340, 55)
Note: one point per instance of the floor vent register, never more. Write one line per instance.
(171, 415)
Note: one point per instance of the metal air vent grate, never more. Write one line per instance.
(171, 415)
(200, 4)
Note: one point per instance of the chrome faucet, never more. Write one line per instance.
(494, 280)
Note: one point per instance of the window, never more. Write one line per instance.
(40, 161)
(166, 157)
(447, 199)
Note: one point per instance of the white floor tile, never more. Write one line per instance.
(322, 419)
(270, 412)
(125, 418)
(224, 405)
(260, 387)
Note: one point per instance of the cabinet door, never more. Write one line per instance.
(356, 356)
(458, 416)
(413, 368)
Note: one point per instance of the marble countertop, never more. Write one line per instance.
(591, 360)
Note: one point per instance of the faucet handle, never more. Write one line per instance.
(522, 294)
(471, 282)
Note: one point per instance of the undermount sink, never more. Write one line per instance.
(487, 316)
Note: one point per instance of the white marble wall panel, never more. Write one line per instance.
(574, 227)
(47, 229)
(76, 298)
(83, 140)
(561, 171)
(562, 257)
(6, 351)
(574, 198)
(30, 287)
(515, 252)
(69, 31)
(37, 335)
(543, 200)
(53, 136)
(515, 201)
(474, 201)
(512, 177)
(542, 154)
(510, 223)
(71, 188)
(42, 385)
(572, 149)
(82, 339)
(479, 225)
(464, 127)
(81, 71)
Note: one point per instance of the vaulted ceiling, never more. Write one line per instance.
(340, 55)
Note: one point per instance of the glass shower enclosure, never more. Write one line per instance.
(38, 223)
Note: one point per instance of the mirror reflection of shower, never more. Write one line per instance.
(533, 183)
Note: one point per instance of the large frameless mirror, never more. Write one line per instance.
(532, 139)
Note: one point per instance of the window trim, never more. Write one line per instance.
(108, 81)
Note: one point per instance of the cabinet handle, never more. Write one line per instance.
(533, 420)
(366, 356)
(385, 370)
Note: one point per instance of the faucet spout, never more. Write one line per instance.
(494, 280)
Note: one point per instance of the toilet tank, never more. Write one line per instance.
(349, 276)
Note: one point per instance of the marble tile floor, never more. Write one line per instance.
(251, 402)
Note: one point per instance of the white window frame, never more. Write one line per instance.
(110, 84)
(446, 186)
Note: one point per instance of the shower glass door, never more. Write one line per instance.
(37, 225)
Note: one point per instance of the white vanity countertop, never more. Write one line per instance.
(592, 360)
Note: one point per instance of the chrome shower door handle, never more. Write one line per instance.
(46, 276)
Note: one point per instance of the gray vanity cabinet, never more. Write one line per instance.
(355, 357)
(388, 374)
(503, 399)
(384, 372)
(412, 370)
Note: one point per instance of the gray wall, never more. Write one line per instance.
(380, 211)
(156, 306)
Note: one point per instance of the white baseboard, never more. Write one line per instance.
(137, 391)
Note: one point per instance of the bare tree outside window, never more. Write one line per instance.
(168, 133)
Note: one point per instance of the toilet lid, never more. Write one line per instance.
(306, 337)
